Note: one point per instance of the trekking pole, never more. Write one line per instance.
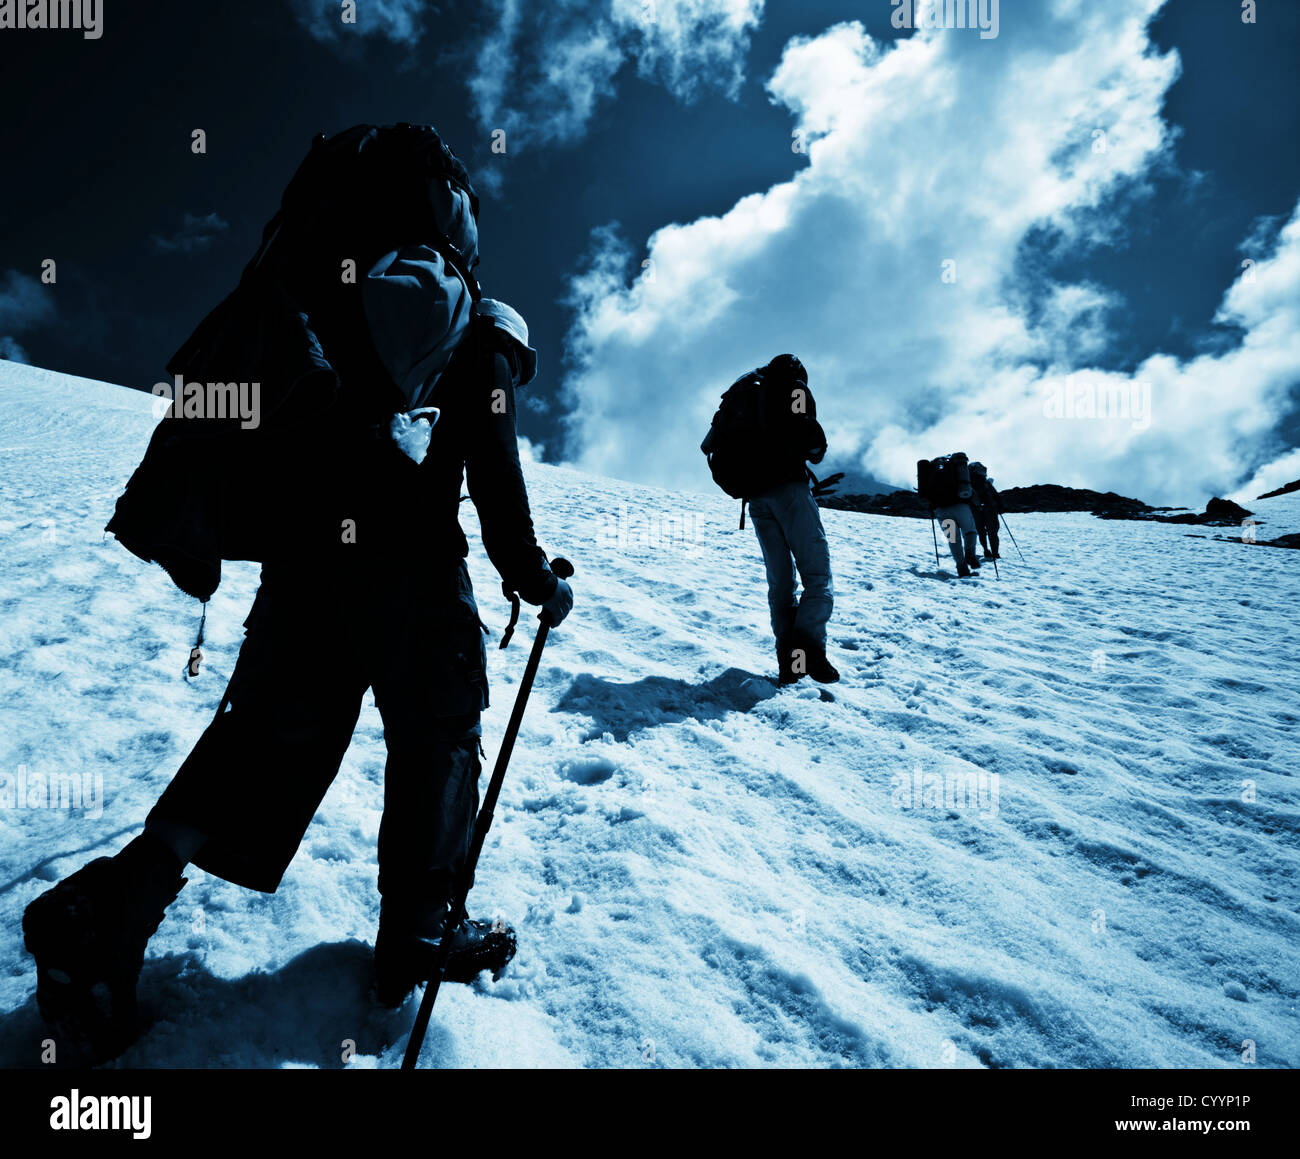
(935, 536)
(1013, 538)
(456, 910)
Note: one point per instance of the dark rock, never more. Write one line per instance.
(1295, 486)
(905, 504)
(1222, 512)
(1292, 541)
(1048, 497)
(1052, 497)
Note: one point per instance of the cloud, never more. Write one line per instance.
(543, 70)
(195, 234)
(898, 265)
(1270, 477)
(25, 304)
(531, 452)
(395, 20)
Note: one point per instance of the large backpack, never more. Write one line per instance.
(356, 197)
(945, 481)
(746, 437)
(737, 427)
(208, 489)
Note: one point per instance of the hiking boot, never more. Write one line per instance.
(973, 562)
(405, 951)
(785, 663)
(819, 666)
(963, 571)
(88, 935)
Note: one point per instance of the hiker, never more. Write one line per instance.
(987, 509)
(364, 584)
(758, 448)
(945, 483)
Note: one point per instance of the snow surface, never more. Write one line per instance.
(706, 871)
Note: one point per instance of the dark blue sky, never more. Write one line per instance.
(99, 175)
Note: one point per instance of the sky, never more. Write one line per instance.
(1027, 245)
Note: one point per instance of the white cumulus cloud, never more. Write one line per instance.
(893, 266)
(543, 70)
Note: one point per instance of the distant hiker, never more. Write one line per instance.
(987, 507)
(352, 507)
(945, 483)
(758, 447)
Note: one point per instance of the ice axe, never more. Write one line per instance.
(465, 880)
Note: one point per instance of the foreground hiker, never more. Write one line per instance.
(352, 504)
(758, 447)
(987, 508)
(945, 483)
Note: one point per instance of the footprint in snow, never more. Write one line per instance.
(588, 770)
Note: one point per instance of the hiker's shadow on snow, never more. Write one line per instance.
(310, 1012)
(622, 709)
(939, 575)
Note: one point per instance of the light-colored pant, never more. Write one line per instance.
(789, 528)
(958, 524)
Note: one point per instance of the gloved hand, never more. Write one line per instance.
(559, 605)
(825, 486)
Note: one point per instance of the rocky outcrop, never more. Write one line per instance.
(1217, 513)
(1047, 497)
(1295, 486)
(906, 504)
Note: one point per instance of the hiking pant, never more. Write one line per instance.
(987, 525)
(314, 643)
(958, 526)
(789, 528)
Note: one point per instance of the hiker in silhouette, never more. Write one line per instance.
(987, 508)
(354, 503)
(758, 447)
(945, 484)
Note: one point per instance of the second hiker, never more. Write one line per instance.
(758, 447)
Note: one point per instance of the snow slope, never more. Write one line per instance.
(706, 871)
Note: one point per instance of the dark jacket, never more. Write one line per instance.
(792, 436)
(985, 500)
(475, 440)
